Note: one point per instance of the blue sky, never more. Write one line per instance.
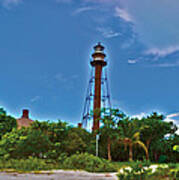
(45, 49)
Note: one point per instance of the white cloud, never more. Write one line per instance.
(108, 33)
(123, 14)
(35, 99)
(169, 119)
(156, 22)
(132, 61)
(167, 65)
(139, 116)
(162, 52)
(173, 115)
(157, 29)
(9, 3)
(83, 9)
(128, 42)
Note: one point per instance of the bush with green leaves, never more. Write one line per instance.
(7, 123)
(76, 140)
(30, 164)
(24, 143)
(62, 158)
(89, 163)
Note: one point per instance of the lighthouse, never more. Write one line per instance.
(98, 63)
(98, 89)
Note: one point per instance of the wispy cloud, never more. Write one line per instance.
(108, 33)
(167, 65)
(162, 52)
(169, 118)
(35, 99)
(83, 9)
(123, 14)
(139, 116)
(9, 3)
(173, 115)
(132, 61)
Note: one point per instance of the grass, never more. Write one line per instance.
(26, 165)
(39, 166)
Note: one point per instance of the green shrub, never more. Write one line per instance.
(172, 165)
(31, 164)
(24, 142)
(89, 163)
(62, 158)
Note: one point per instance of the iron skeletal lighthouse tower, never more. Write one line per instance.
(98, 90)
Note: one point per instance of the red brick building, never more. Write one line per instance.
(24, 121)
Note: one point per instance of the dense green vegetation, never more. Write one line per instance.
(51, 145)
(147, 171)
(89, 163)
(29, 164)
(7, 123)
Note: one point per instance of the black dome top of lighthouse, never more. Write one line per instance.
(99, 52)
(99, 47)
(98, 56)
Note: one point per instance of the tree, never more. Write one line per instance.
(56, 131)
(153, 130)
(76, 140)
(109, 129)
(24, 142)
(7, 123)
(2, 111)
(130, 136)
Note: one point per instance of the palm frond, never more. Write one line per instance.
(141, 144)
(136, 136)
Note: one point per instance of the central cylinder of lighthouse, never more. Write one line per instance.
(98, 63)
(97, 97)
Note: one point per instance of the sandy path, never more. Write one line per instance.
(59, 175)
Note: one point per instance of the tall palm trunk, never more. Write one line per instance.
(109, 149)
(148, 141)
(130, 153)
(147, 155)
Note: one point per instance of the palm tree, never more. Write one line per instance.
(109, 130)
(130, 136)
(134, 140)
